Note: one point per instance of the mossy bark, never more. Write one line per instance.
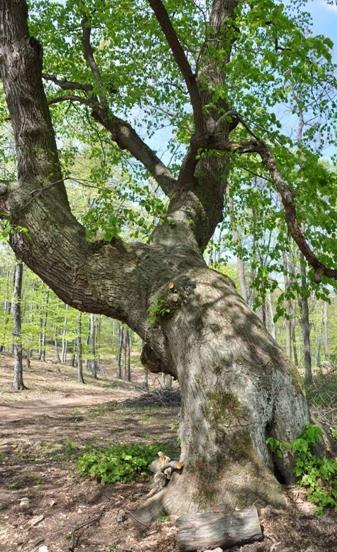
(237, 389)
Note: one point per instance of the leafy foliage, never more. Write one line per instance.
(118, 463)
(316, 472)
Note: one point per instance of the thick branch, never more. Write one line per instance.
(70, 98)
(121, 131)
(294, 227)
(181, 60)
(127, 139)
(66, 84)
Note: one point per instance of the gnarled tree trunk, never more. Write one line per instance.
(237, 390)
(237, 387)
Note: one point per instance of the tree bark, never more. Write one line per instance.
(18, 384)
(237, 387)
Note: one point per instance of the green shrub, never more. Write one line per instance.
(118, 463)
(317, 473)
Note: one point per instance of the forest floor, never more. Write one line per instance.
(44, 429)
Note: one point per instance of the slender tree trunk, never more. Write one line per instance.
(28, 357)
(146, 379)
(73, 353)
(294, 343)
(43, 328)
(7, 310)
(326, 330)
(120, 352)
(80, 377)
(239, 261)
(64, 345)
(270, 315)
(305, 324)
(57, 348)
(127, 357)
(18, 384)
(93, 348)
(166, 381)
(289, 311)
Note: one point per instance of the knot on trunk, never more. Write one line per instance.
(151, 360)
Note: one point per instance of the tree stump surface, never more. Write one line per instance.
(212, 529)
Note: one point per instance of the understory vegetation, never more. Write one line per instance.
(120, 462)
(313, 470)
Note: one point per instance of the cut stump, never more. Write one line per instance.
(212, 529)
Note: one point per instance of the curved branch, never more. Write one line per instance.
(127, 138)
(288, 202)
(181, 60)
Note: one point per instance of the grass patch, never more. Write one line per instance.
(102, 409)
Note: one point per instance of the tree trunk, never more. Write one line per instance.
(120, 351)
(146, 379)
(166, 381)
(241, 268)
(294, 343)
(18, 384)
(93, 349)
(326, 330)
(289, 310)
(127, 355)
(57, 348)
(7, 311)
(270, 315)
(80, 377)
(305, 324)
(64, 337)
(237, 389)
(43, 329)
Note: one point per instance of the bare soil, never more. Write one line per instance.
(44, 429)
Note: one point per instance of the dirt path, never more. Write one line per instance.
(54, 406)
(44, 502)
(42, 431)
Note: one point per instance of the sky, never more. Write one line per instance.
(325, 18)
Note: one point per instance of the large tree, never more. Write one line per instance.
(215, 69)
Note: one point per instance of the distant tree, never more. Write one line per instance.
(17, 326)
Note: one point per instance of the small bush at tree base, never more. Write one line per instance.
(317, 473)
(118, 463)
